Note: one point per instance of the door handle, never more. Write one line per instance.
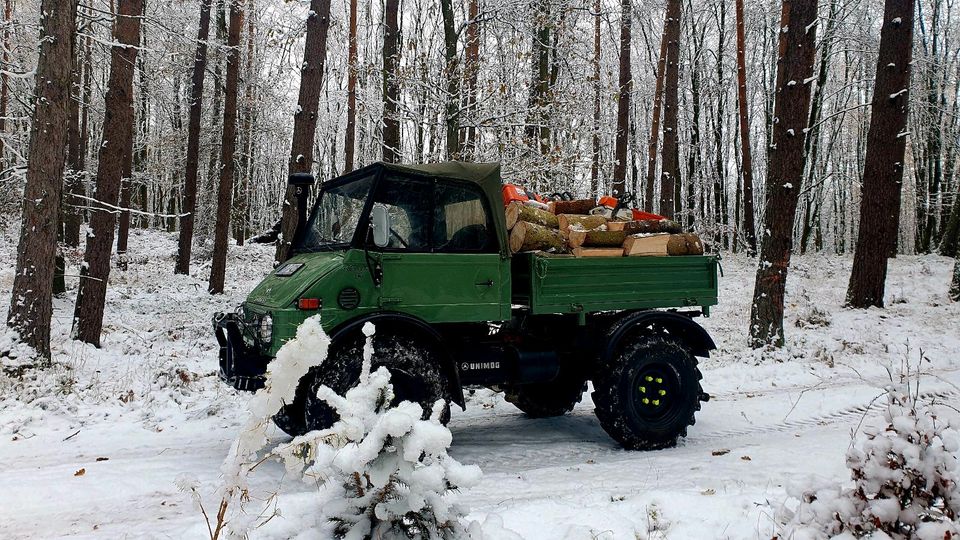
(487, 283)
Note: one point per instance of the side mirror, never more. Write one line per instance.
(380, 223)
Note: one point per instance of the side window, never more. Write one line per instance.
(461, 222)
(408, 201)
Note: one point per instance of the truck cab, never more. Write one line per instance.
(422, 251)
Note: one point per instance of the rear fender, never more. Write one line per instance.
(409, 325)
(679, 327)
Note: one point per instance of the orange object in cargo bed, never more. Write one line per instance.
(513, 192)
(638, 215)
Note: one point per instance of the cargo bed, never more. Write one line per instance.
(566, 284)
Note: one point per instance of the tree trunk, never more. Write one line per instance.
(31, 299)
(671, 159)
(4, 77)
(205, 218)
(785, 168)
(625, 83)
(350, 139)
(648, 204)
(451, 112)
(187, 220)
(950, 243)
(391, 85)
(123, 218)
(746, 154)
(955, 283)
(241, 197)
(228, 146)
(883, 168)
(73, 180)
(536, 130)
(117, 134)
(597, 89)
(305, 121)
(471, 70)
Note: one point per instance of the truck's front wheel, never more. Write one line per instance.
(646, 399)
(414, 374)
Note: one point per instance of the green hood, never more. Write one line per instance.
(281, 292)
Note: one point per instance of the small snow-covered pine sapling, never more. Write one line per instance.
(386, 471)
(906, 480)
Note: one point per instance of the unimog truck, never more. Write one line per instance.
(422, 252)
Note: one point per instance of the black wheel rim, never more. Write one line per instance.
(655, 393)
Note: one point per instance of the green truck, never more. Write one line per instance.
(422, 252)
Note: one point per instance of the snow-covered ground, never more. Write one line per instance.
(92, 447)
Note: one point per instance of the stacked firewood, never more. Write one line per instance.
(578, 227)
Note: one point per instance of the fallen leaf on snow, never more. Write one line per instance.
(721, 452)
(80, 472)
(102, 458)
(745, 458)
(709, 491)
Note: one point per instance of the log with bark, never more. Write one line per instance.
(580, 222)
(648, 226)
(596, 238)
(662, 245)
(527, 236)
(581, 206)
(517, 211)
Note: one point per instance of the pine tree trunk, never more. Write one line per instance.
(625, 84)
(205, 217)
(671, 159)
(350, 139)
(648, 202)
(31, 299)
(117, 134)
(536, 130)
(785, 168)
(883, 168)
(241, 196)
(228, 147)
(185, 239)
(955, 283)
(746, 154)
(391, 85)
(452, 105)
(73, 180)
(597, 89)
(123, 218)
(305, 121)
(4, 77)
(950, 243)
(471, 55)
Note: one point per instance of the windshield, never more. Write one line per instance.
(336, 215)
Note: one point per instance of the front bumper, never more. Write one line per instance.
(241, 364)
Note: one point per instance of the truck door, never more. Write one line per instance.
(443, 263)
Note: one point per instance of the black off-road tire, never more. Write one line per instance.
(414, 373)
(549, 399)
(291, 419)
(652, 369)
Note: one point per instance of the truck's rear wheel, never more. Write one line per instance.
(414, 373)
(545, 400)
(648, 397)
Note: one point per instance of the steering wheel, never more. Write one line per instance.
(399, 238)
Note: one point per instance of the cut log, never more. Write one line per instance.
(646, 246)
(517, 211)
(582, 206)
(580, 222)
(652, 226)
(616, 225)
(598, 252)
(532, 237)
(596, 238)
(662, 245)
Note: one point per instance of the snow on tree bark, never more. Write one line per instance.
(305, 119)
(625, 85)
(31, 299)
(749, 227)
(187, 220)
(391, 84)
(228, 147)
(117, 134)
(883, 167)
(785, 160)
(670, 174)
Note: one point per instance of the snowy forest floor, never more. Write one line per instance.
(92, 446)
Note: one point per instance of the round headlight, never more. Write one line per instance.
(266, 328)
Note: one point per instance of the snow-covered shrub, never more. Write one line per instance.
(383, 471)
(906, 481)
(386, 472)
